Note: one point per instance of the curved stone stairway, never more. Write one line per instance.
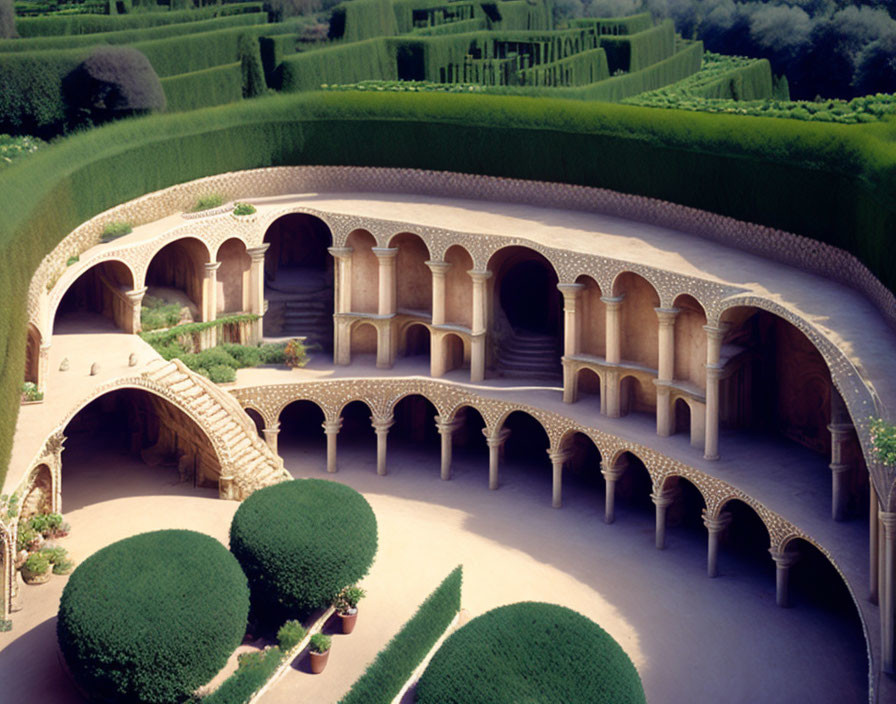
(527, 355)
(247, 463)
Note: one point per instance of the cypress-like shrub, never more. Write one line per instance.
(530, 652)
(300, 542)
(151, 618)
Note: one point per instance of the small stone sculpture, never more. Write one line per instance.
(132, 359)
(63, 366)
(94, 368)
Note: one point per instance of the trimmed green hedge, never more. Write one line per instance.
(530, 652)
(60, 24)
(212, 86)
(350, 63)
(300, 542)
(152, 617)
(253, 671)
(634, 52)
(130, 36)
(384, 678)
(836, 183)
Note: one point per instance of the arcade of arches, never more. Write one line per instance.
(612, 353)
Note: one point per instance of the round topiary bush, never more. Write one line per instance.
(152, 617)
(300, 542)
(530, 652)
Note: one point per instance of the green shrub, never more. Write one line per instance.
(530, 652)
(114, 230)
(14, 148)
(72, 260)
(156, 313)
(152, 617)
(348, 599)
(384, 678)
(221, 374)
(212, 200)
(273, 353)
(204, 88)
(30, 392)
(300, 542)
(243, 209)
(253, 671)
(63, 566)
(216, 356)
(320, 643)
(290, 635)
(26, 538)
(249, 56)
(37, 564)
(242, 355)
(295, 354)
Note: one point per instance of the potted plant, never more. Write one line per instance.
(346, 604)
(319, 650)
(36, 569)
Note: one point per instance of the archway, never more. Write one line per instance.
(745, 543)
(682, 417)
(527, 317)
(638, 321)
(588, 388)
(592, 319)
(301, 440)
(469, 446)
(636, 396)
(684, 516)
(583, 483)
(357, 438)
(97, 301)
(39, 497)
(413, 277)
(298, 280)
(414, 441)
(130, 441)
(233, 277)
(690, 342)
(634, 487)
(459, 287)
(416, 342)
(363, 341)
(32, 355)
(455, 353)
(525, 465)
(365, 272)
(257, 420)
(176, 277)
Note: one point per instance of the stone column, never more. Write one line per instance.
(662, 501)
(714, 336)
(887, 603)
(136, 299)
(386, 292)
(666, 370)
(43, 367)
(270, 436)
(331, 430)
(342, 301)
(873, 545)
(256, 290)
(446, 429)
(571, 335)
(479, 332)
(558, 459)
(783, 562)
(495, 443)
(439, 270)
(614, 328)
(381, 428)
(611, 476)
(209, 337)
(839, 471)
(714, 527)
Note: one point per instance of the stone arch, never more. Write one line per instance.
(468, 440)
(688, 505)
(363, 338)
(357, 432)
(257, 419)
(100, 289)
(298, 279)
(413, 277)
(589, 385)
(301, 422)
(635, 485)
(690, 341)
(592, 318)
(40, 496)
(365, 272)
(747, 535)
(232, 279)
(639, 324)
(32, 355)
(459, 287)
(176, 273)
(415, 340)
(528, 443)
(636, 395)
(455, 352)
(582, 467)
(414, 415)
(682, 415)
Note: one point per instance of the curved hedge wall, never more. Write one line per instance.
(530, 652)
(151, 618)
(300, 542)
(836, 183)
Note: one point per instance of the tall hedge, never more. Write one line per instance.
(836, 183)
(300, 542)
(384, 678)
(151, 618)
(530, 652)
(201, 89)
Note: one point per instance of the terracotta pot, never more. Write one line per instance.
(348, 621)
(318, 662)
(36, 578)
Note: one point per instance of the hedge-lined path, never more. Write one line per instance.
(692, 639)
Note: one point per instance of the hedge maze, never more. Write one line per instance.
(217, 54)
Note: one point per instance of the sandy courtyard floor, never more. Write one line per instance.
(692, 639)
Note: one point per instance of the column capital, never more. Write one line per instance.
(570, 291)
(332, 427)
(137, 294)
(666, 316)
(340, 252)
(438, 268)
(714, 371)
(717, 525)
(716, 332)
(275, 430)
(613, 473)
(558, 455)
(839, 468)
(888, 520)
(840, 430)
(784, 558)
(385, 253)
(447, 427)
(381, 425)
(665, 497)
(613, 302)
(211, 267)
(479, 275)
(496, 440)
(257, 253)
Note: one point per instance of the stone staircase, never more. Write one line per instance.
(300, 304)
(247, 463)
(528, 355)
